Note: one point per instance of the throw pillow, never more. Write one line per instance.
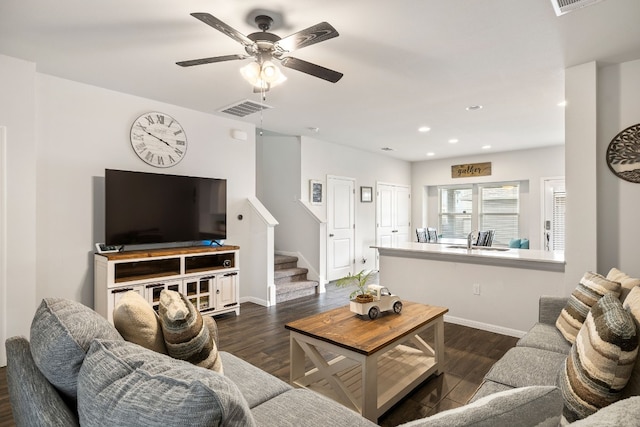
(129, 385)
(601, 360)
(591, 288)
(514, 243)
(627, 282)
(138, 322)
(61, 332)
(524, 244)
(632, 305)
(533, 406)
(185, 334)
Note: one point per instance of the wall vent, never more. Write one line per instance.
(244, 108)
(565, 6)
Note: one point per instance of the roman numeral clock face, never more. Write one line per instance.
(158, 139)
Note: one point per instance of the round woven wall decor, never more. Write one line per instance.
(623, 154)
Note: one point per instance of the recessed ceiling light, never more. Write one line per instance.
(453, 141)
(474, 107)
(562, 103)
(431, 153)
(424, 129)
(387, 149)
(486, 147)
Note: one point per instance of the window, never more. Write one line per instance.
(456, 209)
(559, 206)
(499, 211)
(497, 207)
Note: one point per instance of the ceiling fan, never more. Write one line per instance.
(266, 47)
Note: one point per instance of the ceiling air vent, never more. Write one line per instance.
(244, 108)
(565, 6)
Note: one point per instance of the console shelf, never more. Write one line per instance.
(208, 276)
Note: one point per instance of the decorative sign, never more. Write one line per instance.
(471, 169)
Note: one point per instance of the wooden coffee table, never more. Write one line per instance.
(365, 364)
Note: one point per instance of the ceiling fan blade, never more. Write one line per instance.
(312, 35)
(211, 60)
(224, 28)
(312, 69)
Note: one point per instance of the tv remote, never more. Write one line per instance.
(102, 248)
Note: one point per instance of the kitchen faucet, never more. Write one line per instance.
(470, 239)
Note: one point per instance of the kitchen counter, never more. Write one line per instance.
(491, 288)
(493, 255)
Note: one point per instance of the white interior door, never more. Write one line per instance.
(393, 215)
(340, 227)
(403, 214)
(385, 213)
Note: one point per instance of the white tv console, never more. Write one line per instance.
(207, 275)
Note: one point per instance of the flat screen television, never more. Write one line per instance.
(148, 208)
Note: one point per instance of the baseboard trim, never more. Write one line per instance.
(255, 300)
(485, 326)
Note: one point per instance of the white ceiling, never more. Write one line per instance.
(406, 63)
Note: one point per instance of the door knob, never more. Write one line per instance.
(330, 235)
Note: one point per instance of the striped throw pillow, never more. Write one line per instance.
(185, 333)
(601, 360)
(627, 283)
(632, 305)
(591, 288)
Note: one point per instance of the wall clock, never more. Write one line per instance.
(158, 139)
(623, 154)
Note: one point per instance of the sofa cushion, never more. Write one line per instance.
(531, 406)
(625, 281)
(131, 386)
(61, 332)
(185, 334)
(591, 288)
(624, 413)
(632, 305)
(138, 322)
(304, 408)
(486, 388)
(256, 385)
(545, 337)
(34, 401)
(601, 360)
(525, 366)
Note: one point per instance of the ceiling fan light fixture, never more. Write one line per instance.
(262, 76)
(251, 72)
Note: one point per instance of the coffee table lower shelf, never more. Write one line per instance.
(399, 371)
(368, 384)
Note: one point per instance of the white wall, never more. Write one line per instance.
(60, 136)
(525, 165)
(18, 115)
(581, 235)
(618, 200)
(321, 158)
(84, 129)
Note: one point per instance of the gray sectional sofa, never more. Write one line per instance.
(78, 370)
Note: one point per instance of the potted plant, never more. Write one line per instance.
(360, 281)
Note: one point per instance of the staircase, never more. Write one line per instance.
(291, 282)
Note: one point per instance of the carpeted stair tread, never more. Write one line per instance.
(283, 262)
(289, 272)
(290, 280)
(293, 286)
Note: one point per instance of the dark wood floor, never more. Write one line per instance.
(259, 337)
